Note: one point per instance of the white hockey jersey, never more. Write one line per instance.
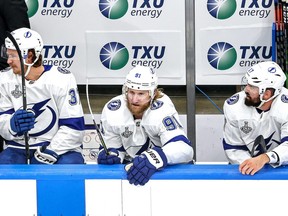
(55, 101)
(159, 126)
(243, 124)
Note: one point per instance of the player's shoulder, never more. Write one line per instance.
(5, 70)
(162, 103)
(282, 99)
(57, 70)
(6, 74)
(57, 75)
(160, 108)
(235, 100)
(115, 104)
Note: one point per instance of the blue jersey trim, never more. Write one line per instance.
(227, 146)
(11, 143)
(73, 123)
(180, 138)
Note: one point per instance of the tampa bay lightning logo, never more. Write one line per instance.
(272, 70)
(46, 117)
(284, 98)
(156, 105)
(63, 70)
(233, 99)
(114, 55)
(114, 105)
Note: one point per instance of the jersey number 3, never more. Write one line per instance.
(73, 95)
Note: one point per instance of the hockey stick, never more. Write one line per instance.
(279, 34)
(259, 141)
(23, 92)
(285, 20)
(94, 121)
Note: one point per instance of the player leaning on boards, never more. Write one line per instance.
(260, 109)
(54, 116)
(141, 128)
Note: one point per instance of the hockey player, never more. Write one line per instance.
(260, 109)
(141, 129)
(54, 116)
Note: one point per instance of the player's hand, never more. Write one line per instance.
(44, 156)
(253, 165)
(22, 121)
(145, 165)
(111, 158)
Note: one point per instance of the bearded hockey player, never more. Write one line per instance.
(141, 128)
(256, 120)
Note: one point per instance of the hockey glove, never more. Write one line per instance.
(111, 158)
(145, 165)
(44, 156)
(22, 121)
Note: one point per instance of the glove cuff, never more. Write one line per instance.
(156, 157)
(46, 156)
(273, 156)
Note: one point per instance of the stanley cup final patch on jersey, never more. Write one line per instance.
(233, 99)
(246, 128)
(114, 105)
(16, 92)
(284, 98)
(127, 133)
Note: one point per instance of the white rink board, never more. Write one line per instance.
(18, 197)
(209, 134)
(188, 197)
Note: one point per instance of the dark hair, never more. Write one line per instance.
(38, 63)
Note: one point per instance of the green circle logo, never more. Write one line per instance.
(33, 6)
(221, 9)
(113, 9)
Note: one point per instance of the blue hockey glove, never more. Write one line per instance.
(22, 121)
(44, 156)
(145, 165)
(111, 158)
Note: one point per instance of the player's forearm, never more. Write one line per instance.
(5, 130)
(178, 152)
(237, 156)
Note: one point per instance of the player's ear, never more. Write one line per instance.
(268, 93)
(30, 57)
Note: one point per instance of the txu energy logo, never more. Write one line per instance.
(59, 55)
(114, 55)
(222, 55)
(221, 9)
(32, 6)
(113, 9)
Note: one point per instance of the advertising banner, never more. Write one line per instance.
(230, 37)
(63, 25)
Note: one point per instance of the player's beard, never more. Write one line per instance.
(137, 110)
(250, 102)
